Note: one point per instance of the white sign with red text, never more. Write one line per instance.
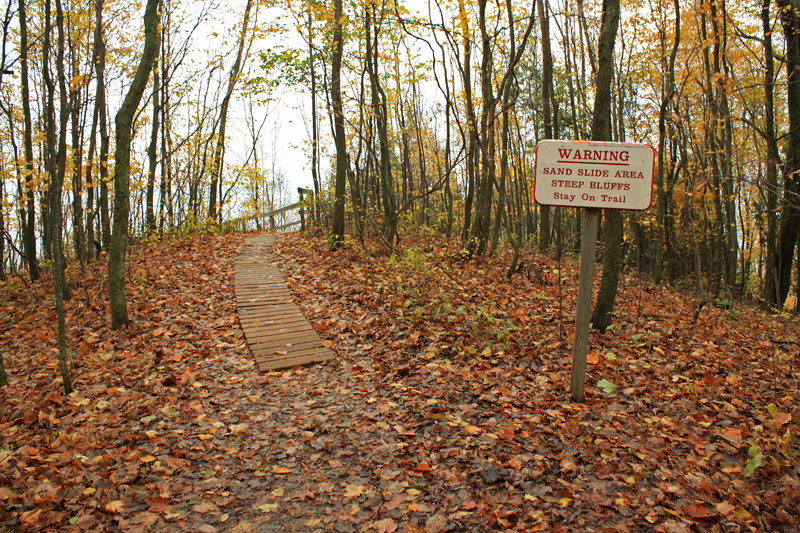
(606, 175)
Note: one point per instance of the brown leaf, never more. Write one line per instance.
(732, 434)
(387, 525)
(354, 491)
(698, 512)
(204, 507)
(782, 418)
(158, 504)
(115, 506)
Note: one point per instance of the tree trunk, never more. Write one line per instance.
(90, 186)
(338, 122)
(314, 126)
(122, 168)
(29, 222)
(668, 91)
(3, 376)
(56, 166)
(472, 125)
(219, 150)
(152, 151)
(78, 237)
(378, 99)
(770, 280)
(790, 210)
(100, 102)
(547, 96)
(601, 131)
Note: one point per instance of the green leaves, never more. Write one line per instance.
(754, 461)
(606, 386)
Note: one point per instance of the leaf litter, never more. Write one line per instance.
(446, 408)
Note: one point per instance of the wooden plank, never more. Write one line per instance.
(277, 355)
(266, 366)
(277, 333)
(269, 316)
(267, 327)
(291, 338)
(259, 323)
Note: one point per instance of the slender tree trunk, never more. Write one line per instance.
(3, 376)
(219, 150)
(668, 91)
(78, 236)
(338, 122)
(2, 231)
(314, 125)
(790, 210)
(770, 274)
(152, 151)
(601, 131)
(472, 124)
(547, 96)
(29, 221)
(122, 168)
(378, 98)
(57, 162)
(90, 187)
(100, 102)
(726, 139)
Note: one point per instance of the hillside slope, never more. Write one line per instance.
(446, 408)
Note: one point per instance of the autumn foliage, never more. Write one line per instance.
(446, 408)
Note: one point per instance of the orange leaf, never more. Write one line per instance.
(732, 434)
(782, 418)
(698, 512)
(387, 525)
(354, 491)
(115, 506)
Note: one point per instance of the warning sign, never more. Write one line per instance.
(606, 175)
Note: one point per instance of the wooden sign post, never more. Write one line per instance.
(593, 176)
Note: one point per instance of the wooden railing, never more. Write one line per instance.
(268, 218)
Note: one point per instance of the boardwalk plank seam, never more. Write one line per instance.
(277, 333)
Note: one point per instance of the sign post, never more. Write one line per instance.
(593, 176)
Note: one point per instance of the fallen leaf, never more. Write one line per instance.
(204, 507)
(698, 512)
(354, 491)
(387, 525)
(115, 506)
(158, 504)
(732, 434)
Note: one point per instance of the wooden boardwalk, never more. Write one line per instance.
(276, 331)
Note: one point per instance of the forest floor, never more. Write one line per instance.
(446, 408)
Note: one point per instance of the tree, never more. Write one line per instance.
(56, 159)
(601, 131)
(547, 99)
(122, 168)
(769, 292)
(216, 165)
(337, 233)
(29, 218)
